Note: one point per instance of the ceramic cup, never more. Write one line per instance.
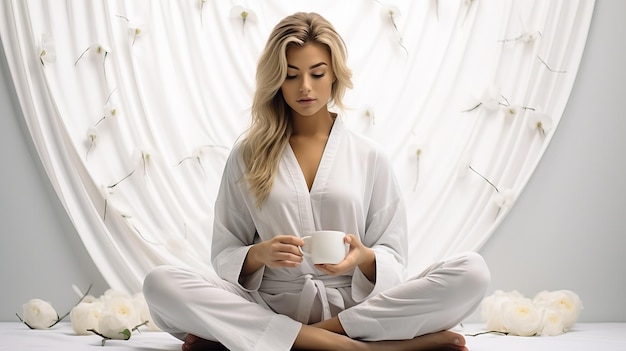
(325, 247)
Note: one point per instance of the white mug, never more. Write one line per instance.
(325, 247)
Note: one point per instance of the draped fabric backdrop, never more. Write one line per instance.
(133, 107)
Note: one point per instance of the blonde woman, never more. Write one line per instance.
(298, 170)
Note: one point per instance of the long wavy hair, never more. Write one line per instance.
(271, 125)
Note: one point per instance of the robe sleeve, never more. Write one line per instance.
(385, 233)
(233, 227)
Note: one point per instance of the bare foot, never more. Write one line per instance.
(439, 341)
(196, 343)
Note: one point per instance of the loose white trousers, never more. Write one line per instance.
(182, 301)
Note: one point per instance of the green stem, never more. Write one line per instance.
(68, 312)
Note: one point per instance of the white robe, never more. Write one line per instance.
(354, 191)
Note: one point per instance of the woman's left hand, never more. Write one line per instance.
(359, 255)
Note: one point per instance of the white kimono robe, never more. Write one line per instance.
(354, 191)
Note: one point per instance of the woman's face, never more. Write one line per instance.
(309, 80)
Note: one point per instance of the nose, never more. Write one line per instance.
(305, 88)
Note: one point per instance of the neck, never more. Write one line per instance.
(318, 124)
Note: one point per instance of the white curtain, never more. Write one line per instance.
(133, 107)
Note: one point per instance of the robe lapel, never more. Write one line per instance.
(309, 203)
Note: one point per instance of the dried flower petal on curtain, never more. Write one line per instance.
(504, 198)
(97, 49)
(92, 139)
(489, 99)
(244, 15)
(369, 113)
(391, 13)
(135, 29)
(47, 54)
(540, 122)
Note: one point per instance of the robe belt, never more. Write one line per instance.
(310, 288)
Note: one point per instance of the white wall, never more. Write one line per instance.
(567, 231)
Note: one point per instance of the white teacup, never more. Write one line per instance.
(325, 247)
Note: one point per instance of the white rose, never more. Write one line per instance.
(551, 323)
(144, 313)
(565, 302)
(84, 316)
(491, 308)
(113, 325)
(39, 314)
(112, 294)
(521, 317)
(123, 306)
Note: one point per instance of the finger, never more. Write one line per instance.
(286, 256)
(290, 248)
(331, 269)
(290, 239)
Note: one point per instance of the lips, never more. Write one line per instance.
(306, 100)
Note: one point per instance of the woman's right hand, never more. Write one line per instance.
(280, 251)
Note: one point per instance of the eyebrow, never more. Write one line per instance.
(312, 67)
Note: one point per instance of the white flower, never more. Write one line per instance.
(551, 323)
(549, 313)
(96, 49)
(504, 198)
(490, 99)
(491, 308)
(121, 304)
(564, 302)
(370, 114)
(135, 30)
(391, 12)
(511, 111)
(118, 315)
(99, 48)
(85, 316)
(243, 14)
(113, 325)
(92, 136)
(530, 36)
(540, 121)
(521, 317)
(39, 314)
(109, 110)
(144, 159)
(48, 52)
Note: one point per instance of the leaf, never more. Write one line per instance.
(126, 334)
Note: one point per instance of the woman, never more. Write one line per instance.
(299, 170)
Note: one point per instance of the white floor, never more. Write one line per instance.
(584, 337)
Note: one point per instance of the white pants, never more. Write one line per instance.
(182, 301)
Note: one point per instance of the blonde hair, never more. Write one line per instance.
(270, 130)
